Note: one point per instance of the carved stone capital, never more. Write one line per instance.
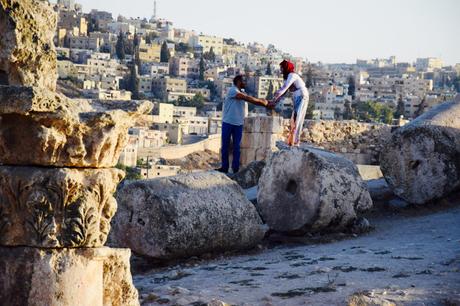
(39, 127)
(56, 207)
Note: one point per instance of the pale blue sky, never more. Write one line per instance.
(320, 30)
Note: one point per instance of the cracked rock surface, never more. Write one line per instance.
(185, 215)
(306, 189)
(421, 161)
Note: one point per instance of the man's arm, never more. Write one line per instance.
(252, 100)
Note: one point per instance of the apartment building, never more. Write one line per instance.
(206, 42)
(162, 86)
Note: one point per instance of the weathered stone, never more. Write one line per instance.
(56, 207)
(368, 172)
(264, 124)
(39, 127)
(249, 176)
(306, 189)
(185, 215)
(421, 161)
(85, 277)
(27, 53)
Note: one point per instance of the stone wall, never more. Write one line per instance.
(212, 143)
(259, 137)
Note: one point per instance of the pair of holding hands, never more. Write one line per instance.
(270, 104)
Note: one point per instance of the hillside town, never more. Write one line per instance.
(188, 74)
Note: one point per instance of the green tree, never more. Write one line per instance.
(164, 53)
(374, 112)
(120, 46)
(309, 78)
(136, 41)
(197, 101)
(348, 111)
(351, 86)
(212, 55)
(269, 69)
(133, 82)
(310, 110)
(202, 69)
(400, 109)
(209, 85)
(271, 91)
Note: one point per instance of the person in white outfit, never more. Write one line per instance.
(293, 83)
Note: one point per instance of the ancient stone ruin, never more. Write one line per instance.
(57, 178)
(421, 161)
(184, 216)
(307, 190)
(260, 135)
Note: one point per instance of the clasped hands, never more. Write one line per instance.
(270, 104)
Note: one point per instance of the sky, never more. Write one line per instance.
(330, 31)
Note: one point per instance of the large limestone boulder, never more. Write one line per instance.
(27, 53)
(421, 161)
(53, 208)
(185, 215)
(306, 189)
(84, 277)
(40, 127)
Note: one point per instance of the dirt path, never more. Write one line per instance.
(407, 259)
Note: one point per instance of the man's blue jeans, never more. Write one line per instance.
(234, 132)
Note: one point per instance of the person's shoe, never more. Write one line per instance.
(235, 171)
(222, 170)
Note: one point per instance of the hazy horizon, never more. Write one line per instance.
(332, 31)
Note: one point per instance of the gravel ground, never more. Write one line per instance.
(412, 257)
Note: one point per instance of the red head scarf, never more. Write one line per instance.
(288, 67)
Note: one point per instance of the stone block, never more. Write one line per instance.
(56, 207)
(39, 127)
(264, 124)
(27, 53)
(247, 156)
(185, 215)
(421, 161)
(50, 277)
(369, 172)
(307, 190)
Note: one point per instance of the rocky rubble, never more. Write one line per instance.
(359, 142)
(421, 161)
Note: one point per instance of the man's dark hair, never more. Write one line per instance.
(238, 78)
